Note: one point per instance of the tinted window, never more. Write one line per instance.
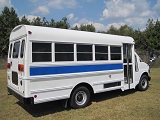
(10, 50)
(16, 49)
(84, 52)
(64, 52)
(41, 52)
(101, 52)
(41, 57)
(115, 49)
(127, 53)
(101, 49)
(84, 48)
(41, 47)
(115, 53)
(84, 57)
(22, 49)
(64, 47)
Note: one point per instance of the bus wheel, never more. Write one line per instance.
(143, 83)
(80, 97)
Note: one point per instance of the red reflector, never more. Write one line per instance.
(29, 32)
(35, 96)
(8, 65)
(21, 67)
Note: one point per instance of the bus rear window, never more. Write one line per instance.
(22, 49)
(16, 49)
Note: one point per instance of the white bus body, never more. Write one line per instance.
(48, 64)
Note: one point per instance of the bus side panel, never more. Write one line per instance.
(61, 86)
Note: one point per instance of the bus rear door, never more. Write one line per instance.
(15, 64)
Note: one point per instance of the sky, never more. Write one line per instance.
(101, 13)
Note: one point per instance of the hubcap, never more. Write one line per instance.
(144, 83)
(80, 98)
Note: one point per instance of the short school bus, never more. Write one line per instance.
(47, 64)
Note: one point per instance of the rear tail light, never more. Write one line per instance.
(21, 67)
(8, 65)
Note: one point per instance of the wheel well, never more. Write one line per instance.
(145, 73)
(88, 86)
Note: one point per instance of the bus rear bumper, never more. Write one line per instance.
(25, 101)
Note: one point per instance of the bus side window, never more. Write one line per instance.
(22, 49)
(84, 52)
(41, 52)
(115, 53)
(64, 52)
(101, 52)
(10, 50)
(16, 49)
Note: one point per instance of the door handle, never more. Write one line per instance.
(11, 63)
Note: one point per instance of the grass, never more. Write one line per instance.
(127, 105)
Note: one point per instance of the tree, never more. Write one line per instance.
(63, 23)
(152, 33)
(8, 20)
(125, 30)
(75, 28)
(151, 36)
(157, 29)
(89, 28)
(52, 23)
(37, 21)
(112, 30)
(45, 22)
(25, 21)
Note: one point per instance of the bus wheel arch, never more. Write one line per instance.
(80, 95)
(144, 82)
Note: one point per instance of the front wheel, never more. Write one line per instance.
(143, 83)
(80, 97)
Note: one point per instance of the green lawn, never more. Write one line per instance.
(115, 105)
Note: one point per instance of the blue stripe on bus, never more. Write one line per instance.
(73, 69)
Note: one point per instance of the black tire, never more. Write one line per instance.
(80, 97)
(143, 83)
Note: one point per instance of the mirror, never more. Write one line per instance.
(152, 59)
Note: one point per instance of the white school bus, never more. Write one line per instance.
(47, 64)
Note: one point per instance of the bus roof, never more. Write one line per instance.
(48, 34)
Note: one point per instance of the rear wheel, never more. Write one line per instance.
(80, 97)
(143, 83)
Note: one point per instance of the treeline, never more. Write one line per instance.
(147, 40)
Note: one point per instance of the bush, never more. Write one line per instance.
(3, 61)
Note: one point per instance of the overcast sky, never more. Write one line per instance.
(101, 13)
